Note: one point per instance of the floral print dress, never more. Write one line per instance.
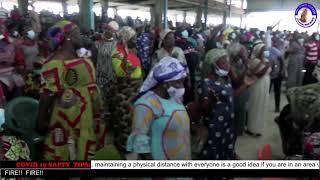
(221, 138)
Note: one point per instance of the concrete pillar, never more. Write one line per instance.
(184, 16)
(241, 16)
(152, 14)
(104, 9)
(158, 11)
(199, 17)
(86, 14)
(230, 9)
(205, 12)
(64, 7)
(115, 10)
(164, 12)
(23, 6)
(224, 20)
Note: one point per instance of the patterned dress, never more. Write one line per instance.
(144, 51)
(76, 131)
(14, 149)
(221, 139)
(161, 127)
(128, 73)
(105, 73)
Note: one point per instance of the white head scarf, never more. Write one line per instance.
(164, 33)
(126, 33)
(167, 69)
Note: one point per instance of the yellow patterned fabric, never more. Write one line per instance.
(75, 130)
(126, 65)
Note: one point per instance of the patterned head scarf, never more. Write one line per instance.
(227, 31)
(164, 33)
(126, 33)
(214, 55)
(57, 32)
(167, 69)
(256, 50)
(113, 26)
(211, 58)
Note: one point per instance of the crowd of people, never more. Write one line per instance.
(173, 94)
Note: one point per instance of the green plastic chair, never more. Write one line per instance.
(108, 152)
(21, 116)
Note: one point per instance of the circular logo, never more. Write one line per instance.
(305, 15)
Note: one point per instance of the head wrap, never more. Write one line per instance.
(167, 69)
(214, 55)
(113, 25)
(138, 23)
(234, 49)
(164, 33)
(57, 32)
(256, 50)
(126, 33)
(227, 31)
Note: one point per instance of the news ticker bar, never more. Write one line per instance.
(142, 173)
(103, 168)
(168, 164)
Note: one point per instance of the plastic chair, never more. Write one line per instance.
(264, 153)
(108, 152)
(20, 116)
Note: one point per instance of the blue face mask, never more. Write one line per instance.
(221, 72)
(31, 34)
(266, 54)
(2, 120)
(185, 34)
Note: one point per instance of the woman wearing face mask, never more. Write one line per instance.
(70, 102)
(30, 50)
(259, 92)
(161, 127)
(217, 93)
(128, 79)
(296, 58)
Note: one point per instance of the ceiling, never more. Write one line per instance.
(214, 6)
(273, 5)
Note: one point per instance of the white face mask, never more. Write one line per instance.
(219, 45)
(176, 93)
(11, 40)
(31, 34)
(221, 72)
(15, 33)
(301, 41)
(1, 36)
(266, 54)
(233, 36)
